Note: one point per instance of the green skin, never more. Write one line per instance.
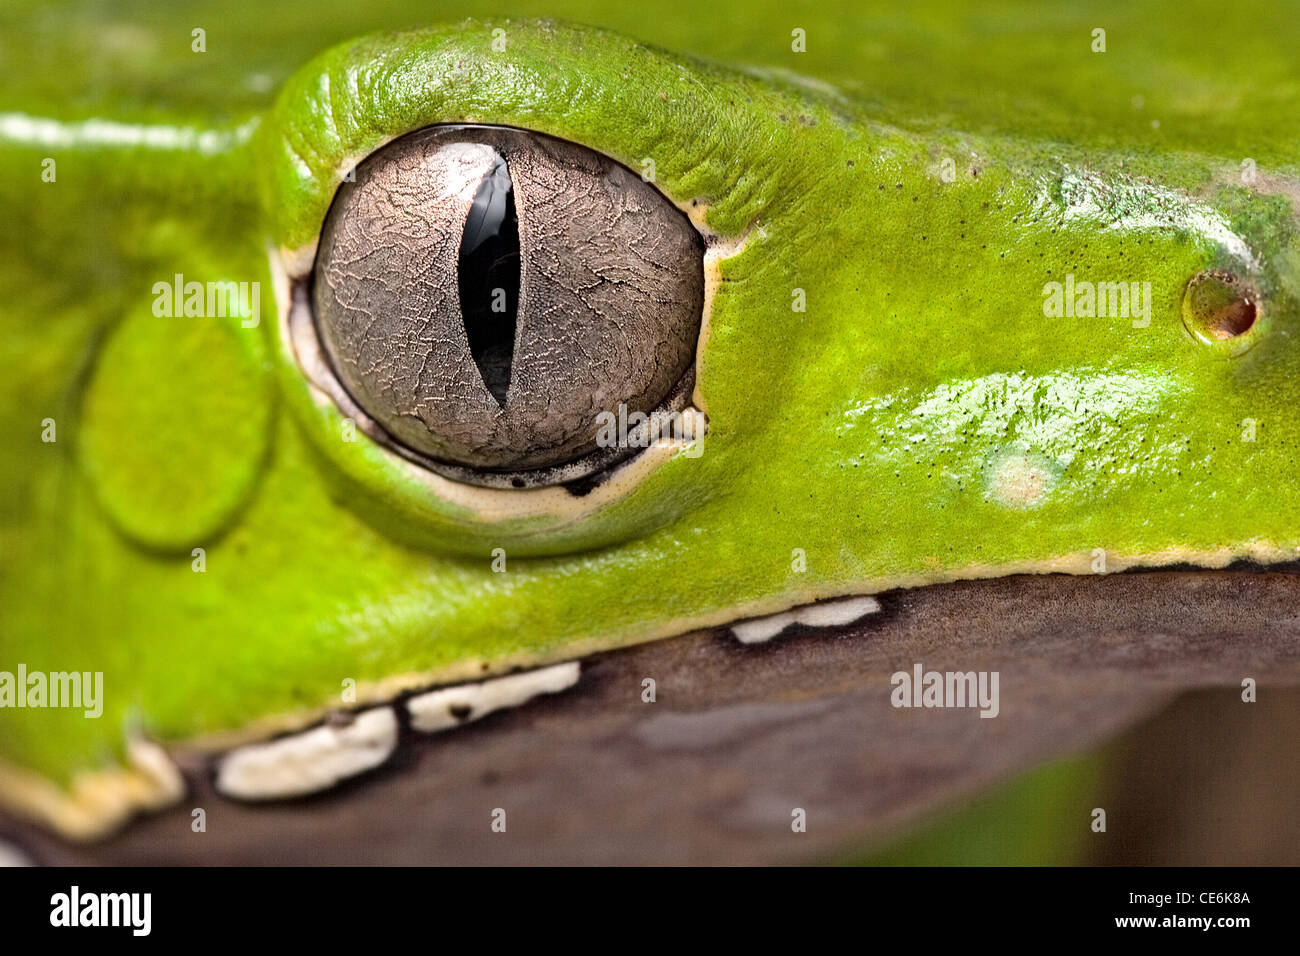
(871, 441)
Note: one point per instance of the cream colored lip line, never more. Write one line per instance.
(101, 801)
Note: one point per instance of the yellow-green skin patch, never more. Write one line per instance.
(920, 419)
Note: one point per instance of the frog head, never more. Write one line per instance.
(889, 357)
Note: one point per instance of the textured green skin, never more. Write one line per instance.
(326, 563)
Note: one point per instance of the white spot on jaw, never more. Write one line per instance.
(151, 762)
(10, 855)
(452, 706)
(825, 614)
(311, 761)
(97, 801)
(1020, 482)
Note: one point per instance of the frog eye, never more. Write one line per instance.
(1222, 311)
(484, 294)
(1217, 307)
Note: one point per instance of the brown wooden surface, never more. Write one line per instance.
(739, 736)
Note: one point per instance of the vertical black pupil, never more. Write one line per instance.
(488, 278)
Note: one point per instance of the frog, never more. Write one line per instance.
(996, 340)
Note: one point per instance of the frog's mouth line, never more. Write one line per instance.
(344, 746)
(312, 752)
(326, 747)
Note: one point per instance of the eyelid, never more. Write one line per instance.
(620, 99)
(730, 150)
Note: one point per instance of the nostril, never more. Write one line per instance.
(1217, 306)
